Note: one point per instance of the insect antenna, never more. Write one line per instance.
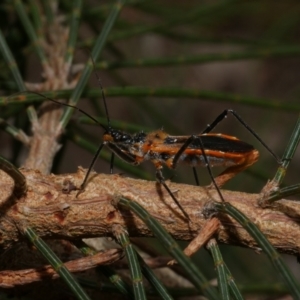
(106, 128)
(102, 92)
(61, 103)
(112, 158)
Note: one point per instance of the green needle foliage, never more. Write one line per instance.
(273, 255)
(56, 263)
(134, 266)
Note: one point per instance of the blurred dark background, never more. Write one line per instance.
(248, 51)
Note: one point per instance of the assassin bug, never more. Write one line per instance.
(205, 149)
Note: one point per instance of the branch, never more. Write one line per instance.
(52, 210)
(11, 278)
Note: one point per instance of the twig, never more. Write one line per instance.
(10, 279)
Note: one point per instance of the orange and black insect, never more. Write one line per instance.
(205, 149)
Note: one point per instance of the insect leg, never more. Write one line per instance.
(230, 172)
(115, 150)
(191, 139)
(196, 176)
(112, 158)
(224, 114)
(82, 186)
(178, 154)
(160, 178)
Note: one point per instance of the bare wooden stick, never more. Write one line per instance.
(54, 212)
(209, 228)
(9, 279)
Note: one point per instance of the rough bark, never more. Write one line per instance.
(54, 212)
